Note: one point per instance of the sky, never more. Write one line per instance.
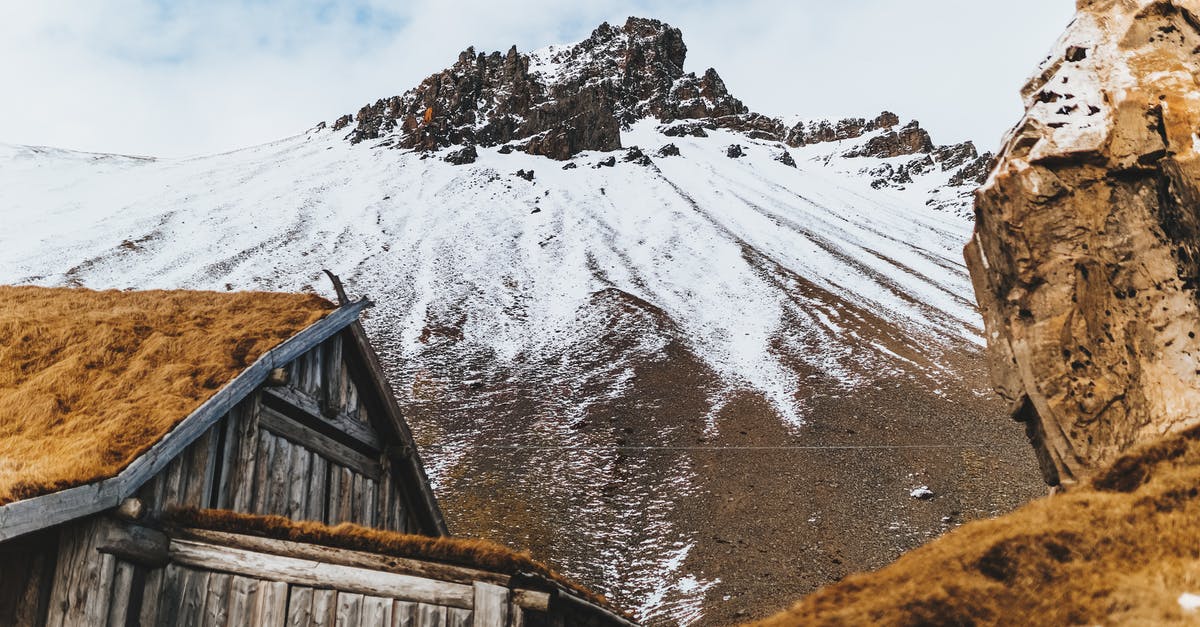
(185, 77)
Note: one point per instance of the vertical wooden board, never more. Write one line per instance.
(151, 597)
(262, 472)
(430, 615)
(83, 579)
(358, 515)
(245, 468)
(345, 506)
(324, 608)
(333, 485)
(223, 475)
(318, 480)
(458, 617)
(243, 594)
(518, 616)
(349, 609)
(173, 482)
(270, 607)
(119, 597)
(491, 605)
(298, 483)
(195, 593)
(376, 612)
(280, 478)
(216, 601)
(169, 605)
(369, 515)
(404, 614)
(299, 606)
(196, 470)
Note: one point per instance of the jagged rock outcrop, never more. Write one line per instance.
(823, 131)
(564, 100)
(1086, 254)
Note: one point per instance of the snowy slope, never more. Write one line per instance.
(514, 311)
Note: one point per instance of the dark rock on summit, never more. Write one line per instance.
(606, 163)
(525, 174)
(785, 158)
(576, 99)
(693, 129)
(850, 128)
(951, 157)
(735, 151)
(636, 156)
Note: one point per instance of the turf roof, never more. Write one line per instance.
(89, 380)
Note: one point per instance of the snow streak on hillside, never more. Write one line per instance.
(782, 281)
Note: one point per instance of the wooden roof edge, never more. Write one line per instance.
(35, 513)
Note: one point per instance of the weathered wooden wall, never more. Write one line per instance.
(306, 450)
(217, 579)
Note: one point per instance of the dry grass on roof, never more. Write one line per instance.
(90, 380)
(469, 552)
(1119, 551)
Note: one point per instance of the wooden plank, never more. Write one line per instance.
(131, 542)
(358, 512)
(243, 592)
(404, 614)
(333, 486)
(151, 596)
(345, 503)
(491, 605)
(170, 605)
(368, 492)
(531, 599)
(197, 470)
(224, 479)
(349, 609)
(348, 425)
(122, 591)
(376, 611)
(310, 573)
(456, 617)
(518, 617)
(295, 432)
(270, 609)
(281, 476)
(431, 615)
(318, 486)
(83, 579)
(195, 593)
(298, 490)
(358, 559)
(28, 515)
(324, 606)
(299, 606)
(262, 472)
(216, 600)
(243, 473)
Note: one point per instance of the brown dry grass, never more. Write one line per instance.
(90, 380)
(469, 552)
(1119, 551)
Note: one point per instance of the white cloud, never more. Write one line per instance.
(187, 77)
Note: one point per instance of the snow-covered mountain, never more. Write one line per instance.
(683, 351)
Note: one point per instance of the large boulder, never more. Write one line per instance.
(1086, 253)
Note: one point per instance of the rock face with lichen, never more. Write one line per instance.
(1086, 253)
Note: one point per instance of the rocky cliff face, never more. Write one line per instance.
(563, 100)
(1085, 255)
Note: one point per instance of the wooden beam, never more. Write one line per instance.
(305, 572)
(304, 404)
(297, 433)
(348, 557)
(22, 517)
(132, 543)
(531, 599)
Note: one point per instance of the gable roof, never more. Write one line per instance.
(90, 380)
(247, 315)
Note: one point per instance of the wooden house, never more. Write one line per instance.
(199, 458)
